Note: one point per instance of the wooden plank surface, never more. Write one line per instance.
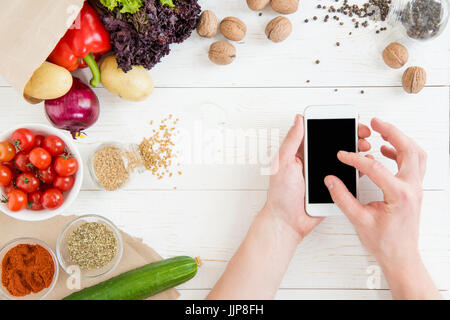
(212, 224)
(208, 113)
(217, 198)
(311, 294)
(260, 63)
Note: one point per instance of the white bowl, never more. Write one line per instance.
(69, 196)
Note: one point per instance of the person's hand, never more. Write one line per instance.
(389, 229)
(286, 195)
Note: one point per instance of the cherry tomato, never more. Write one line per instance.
(40, 158)
(35, 201)
(7, 189)
(11, 167)
(22, 162)
(47, 175)
(39, 140)
(52, 199)
(24, 139)
(7, 151)
(17, 200)
(54, 145)
(63, 184)
(27, 182)
(5, 175)
(66, 165)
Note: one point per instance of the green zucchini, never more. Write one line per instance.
(142, 282)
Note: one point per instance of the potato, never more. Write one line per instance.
(134, 85)
(49, 81)
(31, 100)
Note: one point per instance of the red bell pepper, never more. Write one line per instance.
(85, 38)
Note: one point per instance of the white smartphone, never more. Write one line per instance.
(328, 129)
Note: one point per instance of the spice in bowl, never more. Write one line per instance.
(112, 164)
(92, 246)
(27, 269)
(109, 166)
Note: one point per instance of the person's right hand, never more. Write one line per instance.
(389, 229)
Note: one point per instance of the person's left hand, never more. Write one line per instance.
(286, 195)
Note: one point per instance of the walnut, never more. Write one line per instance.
(279, 29)
(222, 53)
(257, 4)
(208, 24)
(284, 6)
(233, 28)
(395, 55)
(414, 79)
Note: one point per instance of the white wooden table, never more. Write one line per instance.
(209, 212)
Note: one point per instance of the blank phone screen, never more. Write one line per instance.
(325, 138)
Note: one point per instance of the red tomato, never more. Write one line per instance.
(27, 182)
(54, 145)
(35, 201)
(24, 139)
(47, 175)
(66, 165)
(45, 187)
(7, 151)
(22, 162)
(7, 189)
(63, 184)
(39, 140)
(40, 158)
(11, 167)
(17, 200)
(5, 175)
(52, 199)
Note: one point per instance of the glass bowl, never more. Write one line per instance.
(33, 296)
(62, 251)
(132, 161)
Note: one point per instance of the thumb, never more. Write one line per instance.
(293, 140)
(348, 204)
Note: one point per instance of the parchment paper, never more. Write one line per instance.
(29, 31)
(135, 253)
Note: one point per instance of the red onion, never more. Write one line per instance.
(76, 111)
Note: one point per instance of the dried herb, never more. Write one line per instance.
(92, 246)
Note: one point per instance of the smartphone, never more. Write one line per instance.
(328, 129)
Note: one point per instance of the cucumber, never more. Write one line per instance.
(142, 282)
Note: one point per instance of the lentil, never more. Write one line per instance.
(157, 151)
(110, 168)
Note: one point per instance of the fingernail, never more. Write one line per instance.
(329, 183)
(342, 153)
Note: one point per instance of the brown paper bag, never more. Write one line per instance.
(135, 253)
(29, 31)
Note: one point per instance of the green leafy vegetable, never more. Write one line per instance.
(110, 4)
(168, 3)
(127, 6)
(130, 6)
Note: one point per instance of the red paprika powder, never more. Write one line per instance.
(27, 269)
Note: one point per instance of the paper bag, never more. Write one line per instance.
(29, 31)
(135, 253)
